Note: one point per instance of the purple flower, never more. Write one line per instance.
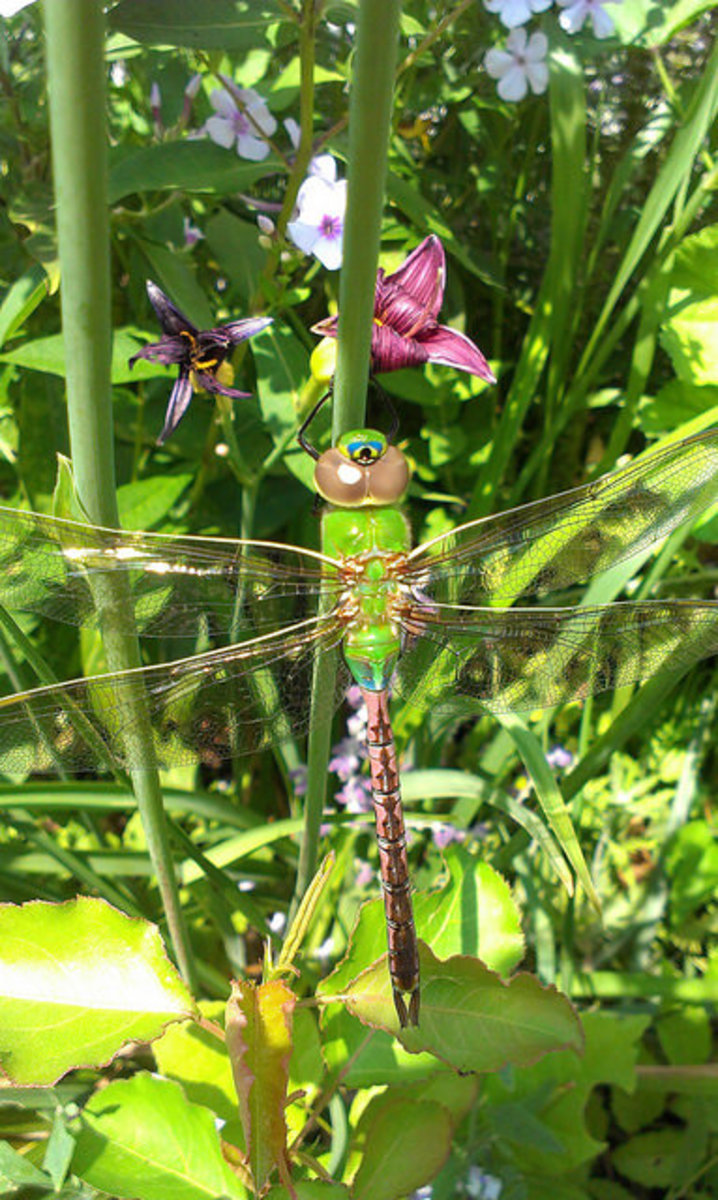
(346, 758)
(200, 355)
(444, 833)
(355, 795)
(560, 758)
(405, 331)
(298, 776)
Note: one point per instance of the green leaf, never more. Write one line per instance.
(282, 364)
(198, 1059)
(48, 355)
(25, 295)
(469, 1017)
(144, 503)
(472, 913)
(406, 1144)
(549, 794)
(195, 165)
(258, 1031)
(236, 245)
(141, 1137)
(222, 25)
(78, 981)
(16, 1172)
(310, 1191)
(651, 1158)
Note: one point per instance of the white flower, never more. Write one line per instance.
(318, 223)
(520, 66)
(232, 124)
(8, 8)
(192, 233)
(292, 128)
(577, 11)
(516, 12)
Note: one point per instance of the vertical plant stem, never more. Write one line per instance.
(76, 80)
(370, 112)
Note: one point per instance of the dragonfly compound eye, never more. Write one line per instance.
(362, 469)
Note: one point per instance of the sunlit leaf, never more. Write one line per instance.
(78, 981)
(141, 1137)
(259, 1040)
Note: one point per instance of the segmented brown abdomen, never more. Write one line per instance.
(391, 838)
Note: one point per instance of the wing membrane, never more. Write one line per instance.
(552, 544)
(201, 709)
(49, 566)
(521, 659)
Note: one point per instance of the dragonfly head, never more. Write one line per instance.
(363, 468)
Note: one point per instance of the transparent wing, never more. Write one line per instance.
(521, 659)
(546, 546)
(201, 709)
(176, 586)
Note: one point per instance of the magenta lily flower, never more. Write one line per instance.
(406, 306)
(201, 355)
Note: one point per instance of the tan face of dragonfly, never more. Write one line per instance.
(362, 469)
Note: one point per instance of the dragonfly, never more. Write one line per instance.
(482, 611)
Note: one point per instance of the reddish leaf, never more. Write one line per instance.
(259, 1042)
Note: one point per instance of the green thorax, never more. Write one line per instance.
(370, 538)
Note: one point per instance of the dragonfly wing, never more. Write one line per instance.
(521, 659)
(175, 586)
(547, 546)
(201, 709)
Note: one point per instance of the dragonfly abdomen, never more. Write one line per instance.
(391, 839)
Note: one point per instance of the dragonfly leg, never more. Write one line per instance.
(391, 839)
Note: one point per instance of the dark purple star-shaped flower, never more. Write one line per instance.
(201, 355)
(405, 331)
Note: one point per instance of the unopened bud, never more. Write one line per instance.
(323, 361)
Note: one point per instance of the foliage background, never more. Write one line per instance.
(580, 228)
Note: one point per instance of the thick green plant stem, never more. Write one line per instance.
(370, 110)
(76, 81)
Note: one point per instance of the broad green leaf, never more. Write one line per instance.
(557, 1089)
(48, 355)
(175, 276)
(221, 25)
(685, 1037)
(646, 23)
(196, 1058)
(79, 980)
(146, 502)
(651, 1158)
(405, 1145)
(472, 913)
(282, 364)
(189, 166)
(258, 1030)
(142, 1138)
(21, 300)
(469, 1017)
(235, 244)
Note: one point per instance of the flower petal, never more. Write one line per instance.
(513, 86)
(239, 331)
(180, 397)
(222, 103)
(206, 382)
(390, 351)
(252, 148)
(537, 48)
(171, 320)
(220, 130)
(329, 252)
(423, 274)
(303, 235)
(498, 62)
(603, 25)
(537, 75)
(454, 349)
(325, 167)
